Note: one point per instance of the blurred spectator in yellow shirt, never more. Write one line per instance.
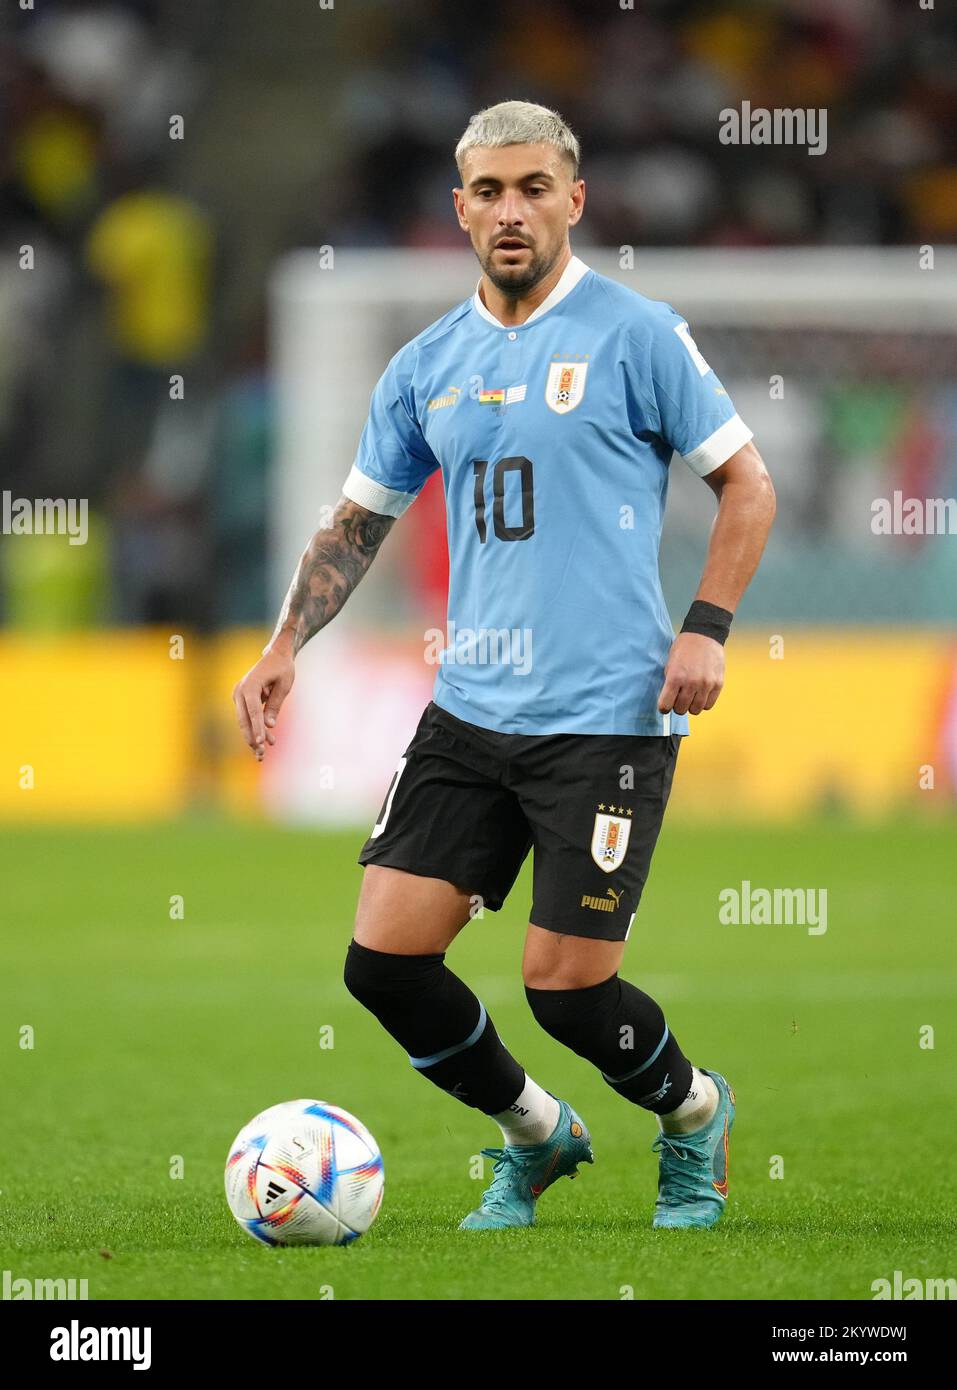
(153, 250)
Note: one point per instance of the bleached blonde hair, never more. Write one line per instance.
(519, 123)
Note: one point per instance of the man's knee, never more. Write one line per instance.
(562, 975)
(558, 961)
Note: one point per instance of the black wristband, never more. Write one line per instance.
(709, 620)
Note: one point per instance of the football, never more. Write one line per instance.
(304, 1172)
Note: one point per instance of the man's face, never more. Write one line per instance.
(517, 203)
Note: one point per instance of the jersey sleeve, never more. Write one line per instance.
(695, 414)
(393, 460)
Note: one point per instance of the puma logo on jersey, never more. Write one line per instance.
(602, 904)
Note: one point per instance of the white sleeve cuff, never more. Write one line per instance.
(718, 447)
(375, 497)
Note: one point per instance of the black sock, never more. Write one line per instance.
(622, 1031)
(440, 1023)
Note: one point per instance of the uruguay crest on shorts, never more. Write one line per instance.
(565, 385)
(609, 841)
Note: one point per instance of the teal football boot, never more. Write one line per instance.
(523, 1171)
(693, 1168)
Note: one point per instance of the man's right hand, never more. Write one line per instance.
(258, 697)
(329, 569)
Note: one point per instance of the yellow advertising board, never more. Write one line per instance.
(118, 726)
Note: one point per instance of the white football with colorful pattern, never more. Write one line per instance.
(304, 1172)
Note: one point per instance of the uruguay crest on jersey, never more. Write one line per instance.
(565, 385)
(609, 841)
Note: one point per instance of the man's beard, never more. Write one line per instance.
(514, 281)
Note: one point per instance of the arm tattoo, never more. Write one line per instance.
(331, 566)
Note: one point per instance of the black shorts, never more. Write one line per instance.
(466, 805)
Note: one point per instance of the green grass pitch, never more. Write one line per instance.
(156, 1037)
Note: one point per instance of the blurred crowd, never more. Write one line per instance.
(641, 87)
(156, 157)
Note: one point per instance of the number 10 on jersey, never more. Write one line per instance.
(526, 527)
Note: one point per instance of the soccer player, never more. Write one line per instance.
(552, 400)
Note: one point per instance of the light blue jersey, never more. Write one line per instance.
(554, 438)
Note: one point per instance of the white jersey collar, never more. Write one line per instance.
(570, 277)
